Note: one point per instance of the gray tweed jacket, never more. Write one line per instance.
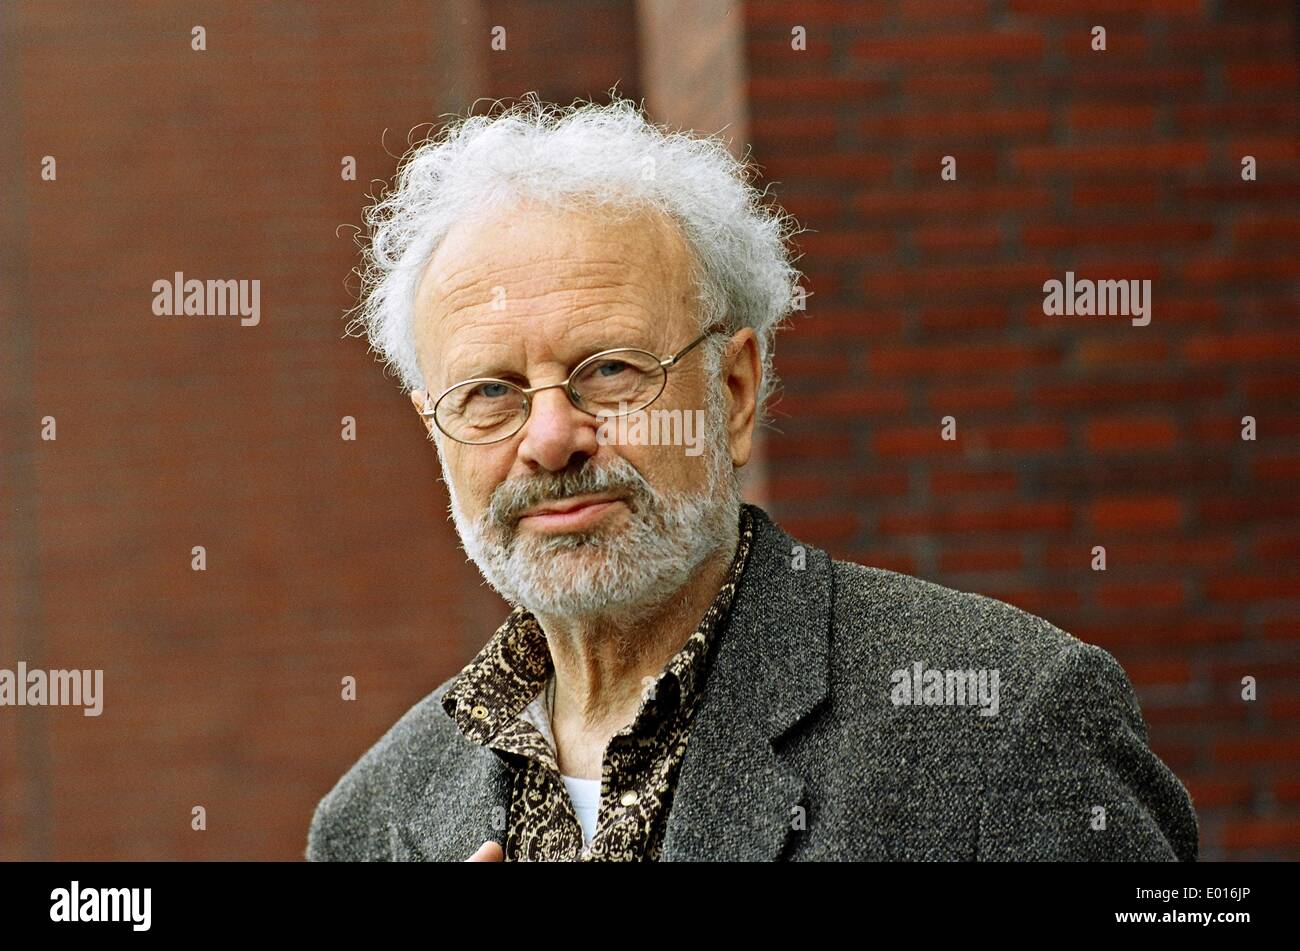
(802, 748)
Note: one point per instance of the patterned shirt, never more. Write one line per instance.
(493, 702)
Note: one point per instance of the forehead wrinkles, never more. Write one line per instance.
(582, 247)
(555, 320)
(472, 345)
(475, 284)
(580, 264)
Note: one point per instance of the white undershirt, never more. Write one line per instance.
(583, 793)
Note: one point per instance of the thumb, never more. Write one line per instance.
(489, 851)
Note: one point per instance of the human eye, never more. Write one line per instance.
(490, 390)
(610, 367)
(482, 399)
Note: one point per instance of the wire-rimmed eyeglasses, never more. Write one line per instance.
(610, 383)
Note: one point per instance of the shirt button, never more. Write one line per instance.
(479, 712)
(629, 799)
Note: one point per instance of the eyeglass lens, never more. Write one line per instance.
(484, 411)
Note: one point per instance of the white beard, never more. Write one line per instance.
(630, 571)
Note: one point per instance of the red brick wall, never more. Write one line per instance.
(926, 301)
(326, 558)
(562, 49)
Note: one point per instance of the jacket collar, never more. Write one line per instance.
(735, 798)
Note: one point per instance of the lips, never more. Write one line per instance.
(569, 505)
(569, 516)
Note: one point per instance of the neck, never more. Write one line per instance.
(601, 661)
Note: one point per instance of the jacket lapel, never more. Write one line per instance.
(735, 798)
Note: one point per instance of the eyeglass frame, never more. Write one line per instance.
(665, 363)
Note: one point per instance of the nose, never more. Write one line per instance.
(557, 431)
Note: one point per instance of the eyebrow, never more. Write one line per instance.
(495, 371)
(498, 371)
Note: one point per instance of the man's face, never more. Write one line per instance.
(525, 295)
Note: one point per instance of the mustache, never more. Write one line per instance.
(513, 497)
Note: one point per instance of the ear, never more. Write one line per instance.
(418, 398)
(742, 373)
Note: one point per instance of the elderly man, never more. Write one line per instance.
(679, 678)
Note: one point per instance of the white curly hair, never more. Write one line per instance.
(583, 154)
